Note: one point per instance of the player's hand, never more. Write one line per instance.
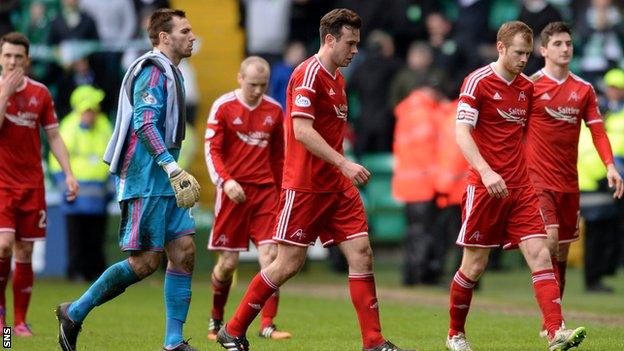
(494, 184)
(11, 81)
(615, 180)
(234, 191)
(72, 188)
(185, 187)
(355, 172)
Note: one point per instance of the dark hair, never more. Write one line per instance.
(508, 31)
(15, 38)
(553, 28)
(334, 20)
(160, 21)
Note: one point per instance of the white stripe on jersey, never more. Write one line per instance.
(273, 101)
(473, 80)
(212, 119)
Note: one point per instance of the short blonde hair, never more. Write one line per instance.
(260, 63)
(508, 31)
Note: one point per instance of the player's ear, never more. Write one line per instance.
(163, 38)
(542, 51)
(500, 46)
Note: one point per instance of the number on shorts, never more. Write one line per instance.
(42, 218)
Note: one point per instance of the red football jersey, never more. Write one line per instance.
(29, 108)
(315, 93)
(553, 132)
(244, 143)
(500, 111)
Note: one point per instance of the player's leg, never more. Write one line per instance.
(180, 265)
(362, 289)
(474, 261)
(22, 285)
(570, 215)
(139, 233)
(266, 255)
(562, 265)
(222, 273)
(7, 240)
(230, 235)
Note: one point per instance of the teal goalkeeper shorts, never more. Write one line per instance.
(148, 223)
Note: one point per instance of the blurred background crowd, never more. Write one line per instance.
(402, 86)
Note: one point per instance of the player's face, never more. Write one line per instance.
(253, 83)
(12, 56)
(181, 38)
(345, 49)
(559, 49)
(516, 55)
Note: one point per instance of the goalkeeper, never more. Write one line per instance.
(155, 194)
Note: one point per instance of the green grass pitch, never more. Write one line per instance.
(315, 308)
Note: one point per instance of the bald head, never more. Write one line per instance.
(253, 79)
(254, 64)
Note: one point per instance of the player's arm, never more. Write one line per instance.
(8, 86)
(594, 122)
(467, 117)
(213, 151)
(149, 101)
(306, 134)
(59, 150)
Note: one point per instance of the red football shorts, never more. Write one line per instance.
(491, 222)
(23, 212)
(332, 217)
(253, 219)
(561, 210)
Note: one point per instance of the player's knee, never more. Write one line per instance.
(474, 269)
(361, 259)
(188, 262)
(6, 249)
(145, 265)
(227, 266)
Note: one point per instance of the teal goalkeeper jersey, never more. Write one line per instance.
(144, 150)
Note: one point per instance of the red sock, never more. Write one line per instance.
(561, 267)
(5, 272)
(269, 311)
(364, 299)
(460, 298)
(22, 289)
(259, 290)
(220, 292)
(548, 299)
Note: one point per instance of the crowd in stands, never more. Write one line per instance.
(427, 46)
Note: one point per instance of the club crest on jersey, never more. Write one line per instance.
(33, 101)
(497, 96)
(268, 121)
(341, 111)
(302, 101)
(521, 96)
(573, 96)
(566, 114)
(222, 240)
(148, 98)
(515, 115)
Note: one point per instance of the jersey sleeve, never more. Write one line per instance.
(213, 146)
(303, 96)
(149, 101)
(277, 151)
(468, 105)
(48, 114)
(591, 114)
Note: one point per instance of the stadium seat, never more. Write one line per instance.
(386, 216)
